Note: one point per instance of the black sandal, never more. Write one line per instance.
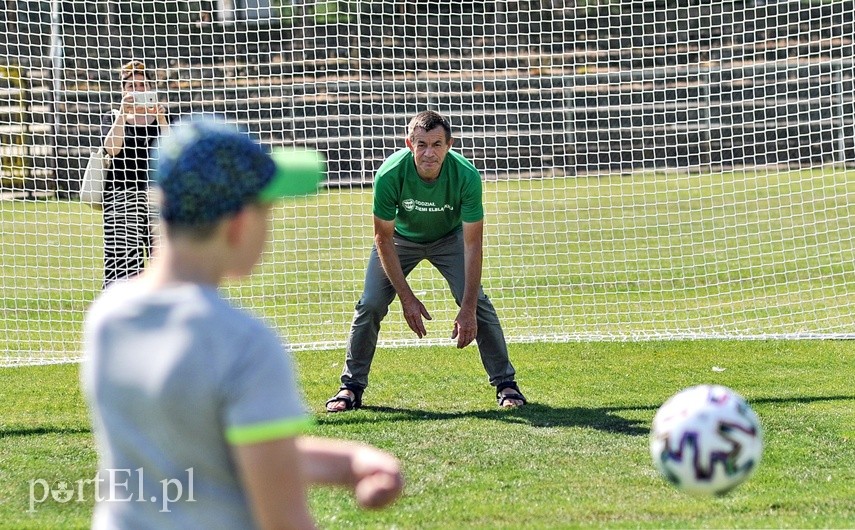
(517, 394)
(349, 404)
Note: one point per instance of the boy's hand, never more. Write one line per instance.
(378, 478)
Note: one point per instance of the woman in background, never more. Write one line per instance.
(129, 134)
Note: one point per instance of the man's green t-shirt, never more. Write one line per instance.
(425, 212)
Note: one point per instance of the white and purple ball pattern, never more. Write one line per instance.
(706, 440)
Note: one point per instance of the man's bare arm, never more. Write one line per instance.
(414, 310)
(466, 324)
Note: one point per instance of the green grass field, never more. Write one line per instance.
(576, 457)
(638, 256)
(631, 256)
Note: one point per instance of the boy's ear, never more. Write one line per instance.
(236, 227)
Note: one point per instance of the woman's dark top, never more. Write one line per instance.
(129, 168)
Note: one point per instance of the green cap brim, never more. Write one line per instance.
(299, 172)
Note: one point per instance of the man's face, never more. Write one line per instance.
(429, 149)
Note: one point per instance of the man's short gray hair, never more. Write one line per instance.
(429, 120)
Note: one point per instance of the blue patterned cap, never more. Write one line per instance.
(207, 170)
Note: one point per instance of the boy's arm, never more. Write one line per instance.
(274, 483)
(275, 475)
(373, 475)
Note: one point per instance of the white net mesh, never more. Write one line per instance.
(652, 170)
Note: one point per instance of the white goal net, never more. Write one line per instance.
(652, 170)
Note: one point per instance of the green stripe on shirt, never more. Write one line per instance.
(271, 430)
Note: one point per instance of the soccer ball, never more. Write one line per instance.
(706, 440)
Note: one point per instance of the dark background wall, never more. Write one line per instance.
(538, 87)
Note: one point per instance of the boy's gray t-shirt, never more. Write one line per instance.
(172, 377)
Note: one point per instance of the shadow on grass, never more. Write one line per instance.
(533, 414)
(800, 399)
(40, 430)
(607, 419)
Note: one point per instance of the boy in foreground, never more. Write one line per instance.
(197, 415)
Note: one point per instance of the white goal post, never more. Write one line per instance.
(652, 170)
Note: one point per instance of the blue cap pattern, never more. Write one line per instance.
(207, 170)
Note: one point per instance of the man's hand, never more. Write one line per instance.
(414, 310)
(384, 242)
(465, 328)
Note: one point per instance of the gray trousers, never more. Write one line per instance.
(447, 256)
